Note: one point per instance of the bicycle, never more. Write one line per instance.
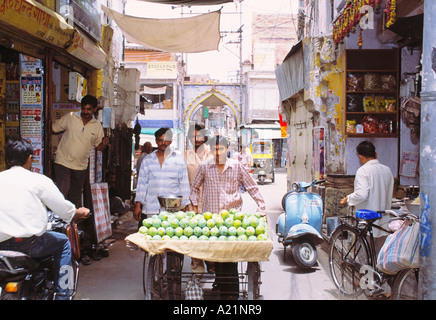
(352, 261)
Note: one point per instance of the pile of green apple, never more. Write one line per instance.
(228, 225)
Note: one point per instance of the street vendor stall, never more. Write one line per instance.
(230, 236)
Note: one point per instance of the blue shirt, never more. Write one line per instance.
(154, 180)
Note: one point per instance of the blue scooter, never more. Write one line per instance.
(300, 225)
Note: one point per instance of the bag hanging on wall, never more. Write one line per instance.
(400, 250)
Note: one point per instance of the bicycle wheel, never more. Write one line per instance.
(405, 286)
(156, 284)
(348, 253)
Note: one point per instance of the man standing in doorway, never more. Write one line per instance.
(373, 187)
(81, 132)
(163, 172)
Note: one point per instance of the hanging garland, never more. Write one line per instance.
(350, 16)
(391, 12)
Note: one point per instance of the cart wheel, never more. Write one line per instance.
(156, 284)
(253, 272)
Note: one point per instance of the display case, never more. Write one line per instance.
(371, 91)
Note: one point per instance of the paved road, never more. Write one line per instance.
(119, 276)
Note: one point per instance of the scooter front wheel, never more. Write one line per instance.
(304, 253)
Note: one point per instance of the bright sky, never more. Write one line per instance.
(219, 64)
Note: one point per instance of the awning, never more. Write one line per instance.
(290, 74)
(190, 2)
(183, 35)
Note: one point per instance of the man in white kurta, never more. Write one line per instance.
(373, 185)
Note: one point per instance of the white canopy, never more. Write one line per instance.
(184, 35)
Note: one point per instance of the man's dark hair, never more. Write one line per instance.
(17, 152)
(219, 140)
(88, 99)
(162, 131)
(366, 149)
(195, 127)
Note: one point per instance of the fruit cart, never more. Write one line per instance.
(164, 275)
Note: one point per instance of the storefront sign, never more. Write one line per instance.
(161, 70)
(37, 20)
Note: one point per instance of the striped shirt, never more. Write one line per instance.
(223, 190)
(154, 180)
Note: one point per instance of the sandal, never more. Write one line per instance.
(86, 261)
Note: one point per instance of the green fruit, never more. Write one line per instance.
(183, 238)
(252, 238)
(240, 231)
(250, 231)
(206, 231)
(219, 222)
(260, 229)
(231, 238)
(257, 215)
(165, 224)
(210, 223)
(215, 232)
(253, 221)
(147, 222)
(222, 238)
(228, 222)
(262, 237)
(163, 216)
(198, 231)
(239, 215)
(193, 238)
(157, 237)
(143, 230)
(207, 215)
(237, 224)
(190, 214)
(193, 223)
(233, 211)
(178, 231)
(166, 237)
(244, 223)
(231, 231)
(174, 222)
(213, 238)
(224, 214)
(156, 222)
(223, 230)
(152, 231)
(183, 222)
(242, 237)
(201, 222)
(188, 231)
(148, 237)
(203, 238)
(161, 231)
(180, 215)
(170, 231)
(174, 238)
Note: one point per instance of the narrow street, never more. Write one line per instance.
(119, 276)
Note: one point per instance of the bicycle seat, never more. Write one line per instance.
(367, 214)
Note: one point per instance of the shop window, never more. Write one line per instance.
(158, 96)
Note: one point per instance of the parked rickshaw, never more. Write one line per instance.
(263, 160)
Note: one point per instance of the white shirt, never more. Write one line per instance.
(24, 196)
(154, 180)
(373, 187)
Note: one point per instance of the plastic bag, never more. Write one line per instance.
(400, 250)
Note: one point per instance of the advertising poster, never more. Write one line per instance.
(31, 106)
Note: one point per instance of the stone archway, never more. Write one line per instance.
(212, 97)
